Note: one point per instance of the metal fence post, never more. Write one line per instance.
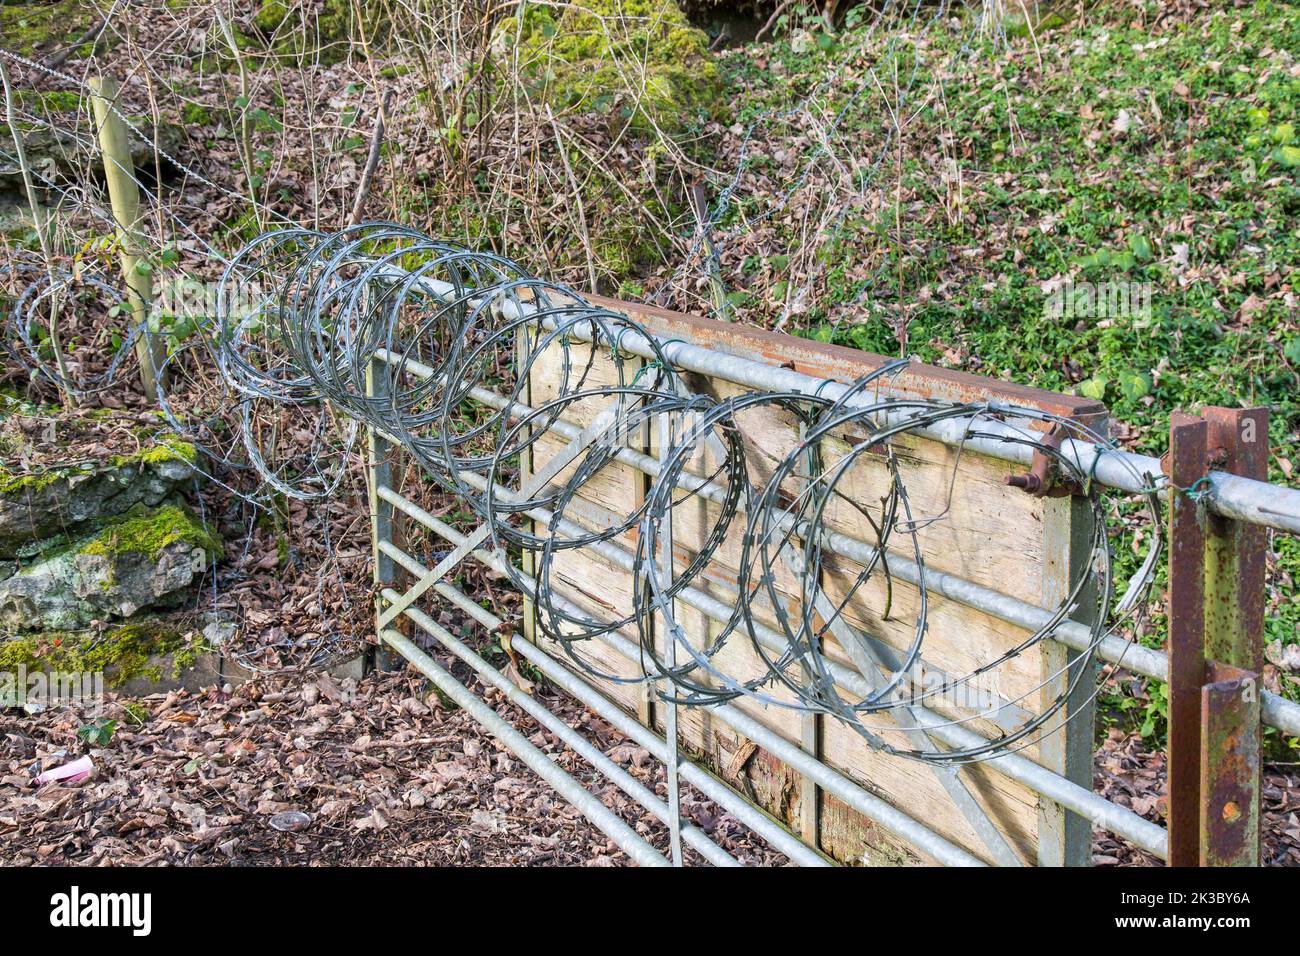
(379, 471)
(1234, 570)
(527, 563)
(1216, 620)
(1234, 644)
(1230, 759)
(1186, 467)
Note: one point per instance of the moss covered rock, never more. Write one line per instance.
(320, 30)
(134, 656)
(68, 500)
(143, 559)
(29, 26)
(640, 61)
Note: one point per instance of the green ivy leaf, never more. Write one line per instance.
(1094, 388)
(1134, 385)
(1140, 246)
(1288, 156)
(100, 733)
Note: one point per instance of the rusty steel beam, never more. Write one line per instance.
(1234, 569)
(1216, 625)
(1186, 466)
(1234, 646)
(1230, 760)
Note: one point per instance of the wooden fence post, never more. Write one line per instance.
(1066, 743)
(124, 195)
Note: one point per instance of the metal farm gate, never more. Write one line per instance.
(889, 591)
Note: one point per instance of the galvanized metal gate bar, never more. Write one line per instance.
(536, 482)
(608, 822)
(882, 813)
(572, 739)
(730, 801)
(586, 693)
(1233, 496)
(1119, 820)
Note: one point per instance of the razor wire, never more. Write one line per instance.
(407, 334)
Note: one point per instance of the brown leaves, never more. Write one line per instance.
(383, 777)
(1132, 775)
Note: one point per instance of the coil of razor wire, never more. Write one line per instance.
(435, 346)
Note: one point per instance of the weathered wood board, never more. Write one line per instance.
(970, 524)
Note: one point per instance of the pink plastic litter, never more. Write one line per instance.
(67, 773)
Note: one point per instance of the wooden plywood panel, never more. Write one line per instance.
(603, 591)
(596, 584)
(969, 522)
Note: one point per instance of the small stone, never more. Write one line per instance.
(290, 821)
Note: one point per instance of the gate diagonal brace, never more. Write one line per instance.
(598, 427)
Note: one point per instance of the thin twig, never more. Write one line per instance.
(577, 198)
(771, 21)
(372, 161)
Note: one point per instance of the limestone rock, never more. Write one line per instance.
(141, 560)
(62, 501)
(60, 155)
(139, 657)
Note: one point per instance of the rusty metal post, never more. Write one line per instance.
(1230, 759)
(1234, 569)
(1234, 644)
(1216, 623)
(1186, 465)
